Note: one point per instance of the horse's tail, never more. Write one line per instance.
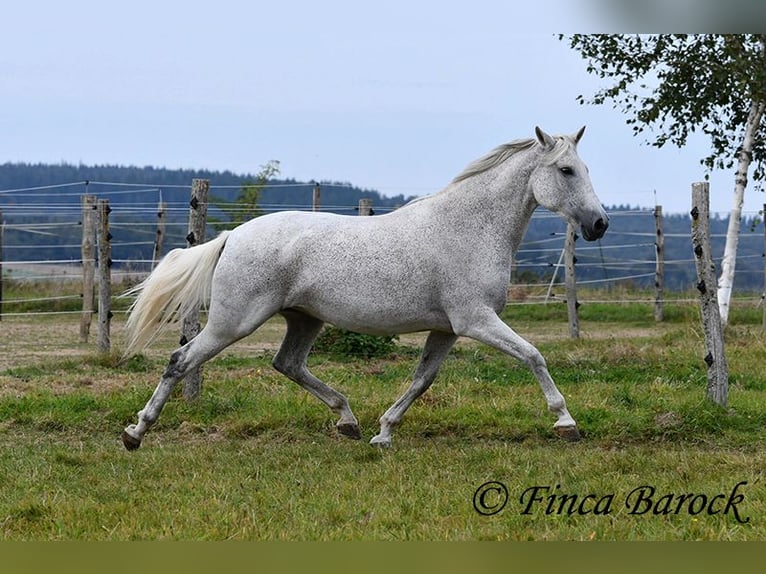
(180, 283)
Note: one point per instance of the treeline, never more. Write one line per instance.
(41, 205)
(627, 254)
(224, 184)
(624, 256)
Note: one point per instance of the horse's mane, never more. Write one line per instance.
(503, 152)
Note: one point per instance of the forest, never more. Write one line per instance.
(36, 194)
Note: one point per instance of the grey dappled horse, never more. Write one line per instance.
(441, 263)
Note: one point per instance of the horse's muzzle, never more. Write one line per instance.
(596, 230)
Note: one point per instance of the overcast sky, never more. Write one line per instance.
(396, 96)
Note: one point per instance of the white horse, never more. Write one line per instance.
(441, 263)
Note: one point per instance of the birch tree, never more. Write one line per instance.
(678, 84)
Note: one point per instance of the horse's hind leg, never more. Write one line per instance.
(302, 330)
(182, 361)
(435, 351)
(220, 332)
(200, 349)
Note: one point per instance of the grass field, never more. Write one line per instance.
(257, 458)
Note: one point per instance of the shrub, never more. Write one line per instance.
(336, 341)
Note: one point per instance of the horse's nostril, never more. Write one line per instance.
(601, 225)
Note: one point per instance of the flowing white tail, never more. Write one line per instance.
(179, 283)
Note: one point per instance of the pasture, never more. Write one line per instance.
(257, 458)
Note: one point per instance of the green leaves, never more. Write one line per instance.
(336, 341)
(678, 84)
(245, 207)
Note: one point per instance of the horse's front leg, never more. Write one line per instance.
(490, 329)
(435, 350)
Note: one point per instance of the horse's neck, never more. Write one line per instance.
(491, 204)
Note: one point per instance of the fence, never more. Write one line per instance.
(48, 236)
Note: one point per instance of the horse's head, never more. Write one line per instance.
(561, 184)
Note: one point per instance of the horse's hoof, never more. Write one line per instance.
(349, 430)
(569, 434)
(380, 442)
(130, 442)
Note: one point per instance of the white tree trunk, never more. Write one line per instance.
(728, 264)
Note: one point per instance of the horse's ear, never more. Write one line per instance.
(578, 135)
(545, 140)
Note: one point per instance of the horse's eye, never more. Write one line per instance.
(566, 170)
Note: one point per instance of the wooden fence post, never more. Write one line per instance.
(659, 269)
(88, 254)
(571, 283)
(717, 372)
(160, 236)
(365, 207)
(2, 232)
(316, 197)
(104, 276)
(763, 297)
(191, 326)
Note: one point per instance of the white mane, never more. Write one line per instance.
(503, 152)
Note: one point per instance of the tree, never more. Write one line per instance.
(245, 207)
(681, 83)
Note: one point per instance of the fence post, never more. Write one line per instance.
(659, 269)
(104, 276)
(763, 297)
(316, 197)
(88, 254)
(717, 372)
(365, 207)
(160, 236)
(571, 284)
(191, 326)
(2, 232)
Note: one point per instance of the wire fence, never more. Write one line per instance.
(42, 237)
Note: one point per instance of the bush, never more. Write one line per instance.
(336, 341)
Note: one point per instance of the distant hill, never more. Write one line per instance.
(174, 184)
(43, 223)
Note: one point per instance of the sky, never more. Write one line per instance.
(397, 96)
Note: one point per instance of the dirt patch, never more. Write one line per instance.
(30, 340)
(25, 341)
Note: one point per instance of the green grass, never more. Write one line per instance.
(257, 458)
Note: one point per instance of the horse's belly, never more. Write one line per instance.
(373, 314)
